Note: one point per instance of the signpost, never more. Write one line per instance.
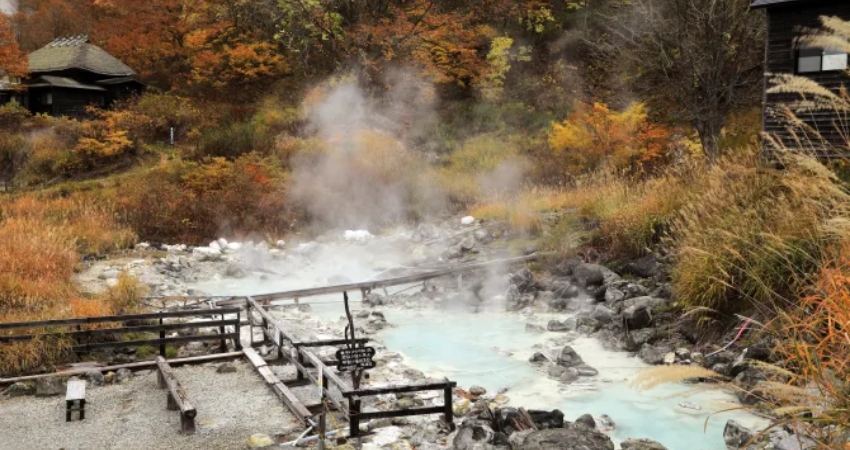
(357, 358)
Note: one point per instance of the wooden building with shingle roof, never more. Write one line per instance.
(69, 74)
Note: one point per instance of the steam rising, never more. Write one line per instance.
(364, 172)
(9, 6)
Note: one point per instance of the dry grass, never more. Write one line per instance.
(656, 376)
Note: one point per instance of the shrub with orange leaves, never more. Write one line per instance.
(595, 137)
(815, 343)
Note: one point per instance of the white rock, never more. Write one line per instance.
(214, 245)
(234, 246)
(468, 220)
(206, 253)
(142, 246)
(357, 235)
(670, 358)
(281, 244)
(222, 242)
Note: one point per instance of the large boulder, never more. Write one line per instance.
(641, 444)
(515, 300)
(588, 275)
(547, 419)
(48, 386)
(602, 314)
(572, 438)
(524, 280)
(637, 317)
(653, 355)
(737, 435)
(636, 338)
(569, 358)
(645, 267)
(472, 432)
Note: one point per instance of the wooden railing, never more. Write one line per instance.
(87, 338)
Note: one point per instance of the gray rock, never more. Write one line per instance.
(569, 375)
(523, 279)
(587, 325)
(641, 444)
(122, 375)
(587, 420)
(569, 358)
(645, 267)
(683, 353)
(565, 289)
(637, 317)
(651, 302)
(737, 435)
(565, 267)
(653, 355)
(586, 371)
(472, 432)
(483, 236)
(722, 369)
(517, 440)
(477, 391)
(537, 358)
(588, 275)
(467, 245)
(614, 295)
(555, 371)
(20, 388)
(573, 438)
(534, 328)
(602, 314)
(558, 326)
(605, 422)
(545, 297)
(48, 386)
(109, 274)
(374, 299)
(513, 299)
(226, 368)
(636, 338)
(235, 271)
(95, 378)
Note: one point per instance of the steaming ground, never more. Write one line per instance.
(439, 331)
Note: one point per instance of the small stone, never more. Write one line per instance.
(641, 444)
(226, 368)
(123, 375)
(570, 375)
(614, 295)
(558, 326)
(260, 440)
(556, 371)
(477, 391)
(222, 243)
(281, 244)
(468, 220)
(537, 358)
(586, 371)
(736, 435)
(109, 377)
(95, 378)
(587, 420)
(669, 358)
(683, 353)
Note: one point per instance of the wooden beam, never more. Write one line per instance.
(177, 399)
(121, 318)
(372, 285)
(400, 389)
(289, 399)
(154, 342)
(136, 365)
(122, 330)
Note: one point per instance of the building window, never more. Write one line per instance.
(48, 98)
(811, 60)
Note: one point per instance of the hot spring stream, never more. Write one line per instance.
(491, 349)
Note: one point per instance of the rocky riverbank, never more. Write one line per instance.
(628, 310)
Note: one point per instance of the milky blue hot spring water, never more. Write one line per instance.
(491, 349)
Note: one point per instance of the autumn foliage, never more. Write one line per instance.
(12, 60)
(595, 137)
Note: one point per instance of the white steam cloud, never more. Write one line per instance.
(365, 173)
(9, 6)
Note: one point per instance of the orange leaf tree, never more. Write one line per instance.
(12, 60)
(594, 137)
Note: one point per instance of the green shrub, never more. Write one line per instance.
(231, 141)
(13, 116)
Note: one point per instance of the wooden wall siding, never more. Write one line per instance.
(784, 26)
(73, 102)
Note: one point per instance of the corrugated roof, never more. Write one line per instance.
(766, 3)
(77, 53)
(68, 83)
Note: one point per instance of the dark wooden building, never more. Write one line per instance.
(69, 74)
(787, 20)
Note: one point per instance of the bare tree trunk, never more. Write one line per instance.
(709, 136)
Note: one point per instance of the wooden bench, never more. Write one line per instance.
(75, 399)
(176, 397)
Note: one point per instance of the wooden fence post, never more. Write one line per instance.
(161, 336)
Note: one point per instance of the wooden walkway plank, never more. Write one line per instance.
(286, 396)
(177, 398)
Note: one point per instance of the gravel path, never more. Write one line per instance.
(231, 407)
